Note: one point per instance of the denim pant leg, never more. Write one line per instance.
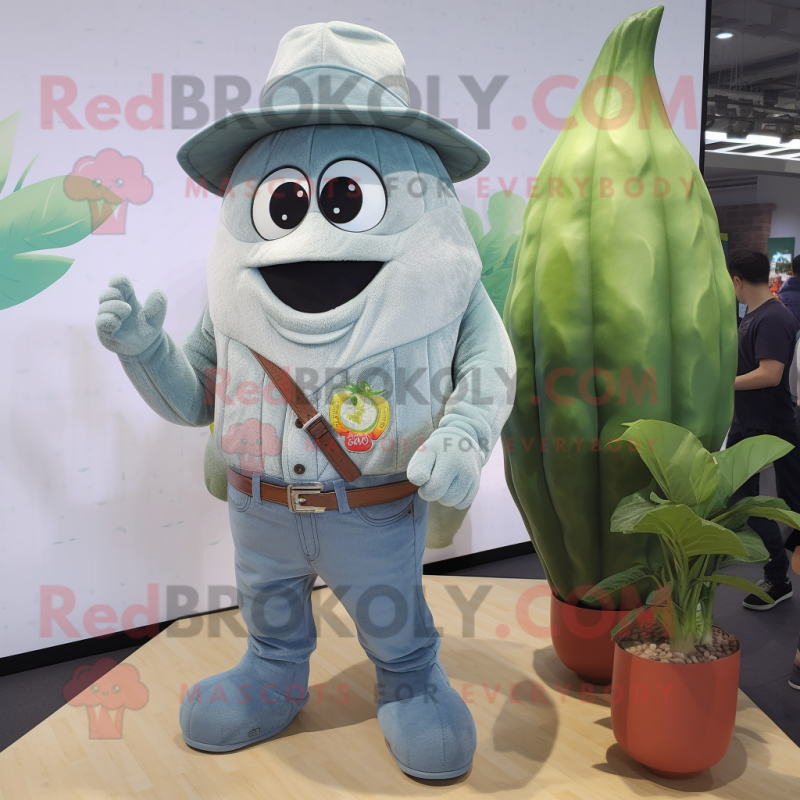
(777, 568)
(787, 470)
(261, 695)
(274, 578)
(372, 560)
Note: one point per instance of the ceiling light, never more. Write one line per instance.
(724, 35)
(759, 138)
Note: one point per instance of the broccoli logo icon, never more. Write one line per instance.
(251, 442)
(112, 175)
(106, 688)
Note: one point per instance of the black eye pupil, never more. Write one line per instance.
(341, 199)
(288, 205)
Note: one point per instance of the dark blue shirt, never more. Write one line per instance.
(767, 333)
(790, 295)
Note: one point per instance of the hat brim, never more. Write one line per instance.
(210, 156)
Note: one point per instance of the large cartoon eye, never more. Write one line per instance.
(351, 196)
(116, 688)
(95, 689)
(280, 203)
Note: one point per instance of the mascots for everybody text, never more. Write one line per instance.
(354, 368)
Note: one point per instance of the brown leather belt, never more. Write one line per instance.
(308, 498)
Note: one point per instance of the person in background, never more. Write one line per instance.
(790, 292)
(793, 544)
(794, 384)
(776, 285)
(763, 404)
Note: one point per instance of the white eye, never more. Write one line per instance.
(280, 203)
(351, 196)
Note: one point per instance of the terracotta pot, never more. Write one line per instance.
(582, 639)
(675, 719)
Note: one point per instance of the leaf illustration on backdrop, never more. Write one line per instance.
(499, 281)
(25, 173)
(24, 275)
(8, 133)
(505, 225)
(474, 224)
(55, 212)
(499, 245)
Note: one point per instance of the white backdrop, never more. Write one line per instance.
(100, 496)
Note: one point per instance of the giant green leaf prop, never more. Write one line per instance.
(56, 212)
(620, 308)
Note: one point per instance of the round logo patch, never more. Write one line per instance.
(359, 414)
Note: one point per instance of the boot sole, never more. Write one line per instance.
(431, 776)
(227, 748)
(767, 607)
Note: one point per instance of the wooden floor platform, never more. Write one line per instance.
(540, 734)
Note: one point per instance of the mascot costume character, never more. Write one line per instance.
(354, 368)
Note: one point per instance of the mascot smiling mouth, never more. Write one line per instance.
(317, 286)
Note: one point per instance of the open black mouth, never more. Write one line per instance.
(317, 286)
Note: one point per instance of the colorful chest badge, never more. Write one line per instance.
(360, 414)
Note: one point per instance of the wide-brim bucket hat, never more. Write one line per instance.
(333, 73)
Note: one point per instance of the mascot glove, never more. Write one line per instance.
(447, 468)
(124, 326)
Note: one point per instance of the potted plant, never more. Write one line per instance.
(620, 231)
(676, 678)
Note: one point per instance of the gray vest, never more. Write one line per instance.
(381, 408)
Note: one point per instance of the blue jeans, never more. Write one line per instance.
(370, 557)
(787, 480)
(372, 560)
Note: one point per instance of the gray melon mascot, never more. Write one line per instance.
(355, 370)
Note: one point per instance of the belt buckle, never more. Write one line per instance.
(296, 501)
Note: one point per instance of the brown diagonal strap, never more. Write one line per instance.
(313, 422)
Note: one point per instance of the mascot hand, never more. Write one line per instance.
(447, 468)
(124, 325)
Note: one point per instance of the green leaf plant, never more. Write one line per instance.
(498, 247)
(687, 507)
(55, 212)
